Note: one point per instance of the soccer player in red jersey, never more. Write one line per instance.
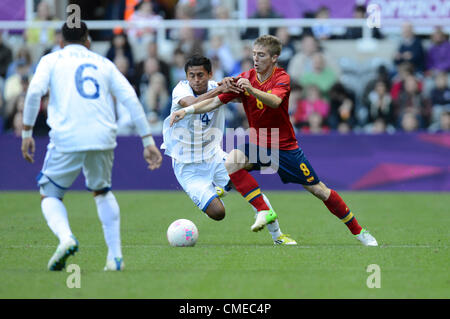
(265, 100)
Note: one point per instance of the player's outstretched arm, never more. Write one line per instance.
(271, 100)
(37, 88)
(197, 108)
(227, 85)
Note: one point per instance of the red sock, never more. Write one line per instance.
(249, 189)
(337, 207)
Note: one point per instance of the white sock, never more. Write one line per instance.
(273, 228)
(56, 215)
(109, 214)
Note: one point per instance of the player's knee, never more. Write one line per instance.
(217, 214)
(216, 210)
(319, 190)
(44, 197)
(48, 189)
(325, 190)
(100, 192)
(235, 161)
(230, 167)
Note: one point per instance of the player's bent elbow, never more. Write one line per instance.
(216, 102)
(276, 103)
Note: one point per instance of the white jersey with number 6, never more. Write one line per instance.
(81, 111)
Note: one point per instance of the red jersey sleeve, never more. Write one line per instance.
(282, 85)
(227, 97)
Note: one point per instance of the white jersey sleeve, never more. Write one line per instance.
(37, 88)
(181, 91)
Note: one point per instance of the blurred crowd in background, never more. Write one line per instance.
(409, 93)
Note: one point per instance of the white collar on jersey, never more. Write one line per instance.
(75, 46)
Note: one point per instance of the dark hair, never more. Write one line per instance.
(198, 60)
(74, 34)
(360, 8)
(323, 8)
(126, 46)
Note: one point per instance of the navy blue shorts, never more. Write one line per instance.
(292, 165)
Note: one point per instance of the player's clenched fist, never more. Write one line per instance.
(228, 84)
(244, 84)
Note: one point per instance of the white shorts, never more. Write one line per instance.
(199, 179)
(61, 169)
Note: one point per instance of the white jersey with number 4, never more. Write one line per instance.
(197, 137)
(81, 111)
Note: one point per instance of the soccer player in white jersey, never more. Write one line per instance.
(195, 143)
(82, 137)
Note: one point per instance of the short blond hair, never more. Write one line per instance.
(270, 42)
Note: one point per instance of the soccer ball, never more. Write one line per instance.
(182, 233)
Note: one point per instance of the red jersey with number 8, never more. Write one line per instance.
(272, 126)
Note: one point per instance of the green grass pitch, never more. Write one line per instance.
(229, 261)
